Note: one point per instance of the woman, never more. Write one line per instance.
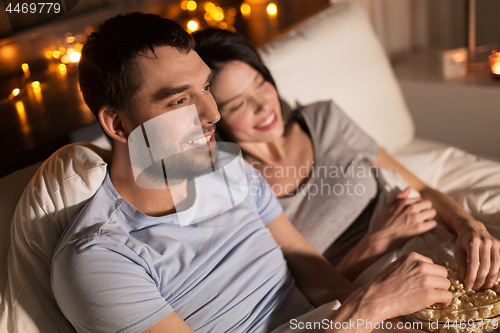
(322, 167)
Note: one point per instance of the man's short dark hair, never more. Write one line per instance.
(107, 71)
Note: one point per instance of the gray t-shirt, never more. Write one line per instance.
(118, 270)
(341, 184)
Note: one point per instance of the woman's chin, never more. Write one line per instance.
(270, 135)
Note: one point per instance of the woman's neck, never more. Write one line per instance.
(270, 153)
(265, 152)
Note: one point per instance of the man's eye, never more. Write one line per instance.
(206, 88)
(180, 101)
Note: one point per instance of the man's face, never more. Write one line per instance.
(171, 81)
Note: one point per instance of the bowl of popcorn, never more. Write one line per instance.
(469, 311)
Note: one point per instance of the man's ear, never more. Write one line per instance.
(112, 123)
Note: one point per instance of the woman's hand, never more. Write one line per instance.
(404, 218)
(478, 256)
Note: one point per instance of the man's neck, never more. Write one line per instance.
(150, 202)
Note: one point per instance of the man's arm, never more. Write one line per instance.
(313, 274)
(170, 324)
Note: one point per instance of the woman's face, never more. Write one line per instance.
(248, 104)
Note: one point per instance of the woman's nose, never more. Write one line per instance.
(262, 105)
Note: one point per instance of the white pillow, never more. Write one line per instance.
(336, 55)
(59, 189)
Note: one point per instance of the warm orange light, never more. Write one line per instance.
(71, 51)
(65, 59)
(232, 12)
(62, 68)
(184, 5)
(21, 111)
(70, 39)
(89, 30)
(35, 84)
(78, 47)
(192, 25)
(496, 68)
(208, 6)
(75, 57)
(48, 54)
(16, 92)
(272, 9)
(223, 25)
(219, 14)
(207, 16)
(245, 9)
(25, 67)
(495, 63)
(191, 5)
(458, 57)
(56, 54)
(62, 49)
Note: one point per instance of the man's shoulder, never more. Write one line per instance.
(91, 219)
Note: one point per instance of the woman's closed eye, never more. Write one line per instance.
(262, 82)
(235, 108)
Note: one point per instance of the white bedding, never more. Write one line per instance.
(471, 180)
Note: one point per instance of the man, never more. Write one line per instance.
(128, 264)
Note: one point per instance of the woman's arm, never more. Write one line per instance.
(313, 274)
(400, 220)
(476, 251)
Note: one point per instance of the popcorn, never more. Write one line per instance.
(467, 298)
(468, 312)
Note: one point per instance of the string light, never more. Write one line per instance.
(209, 6)
(75, 57)
(16, 92)
(192, 25)
(65, 59)
(245, 9)
(62, 68)
(56, 54)
(191, 5)
(35, 84)
(272, 9)
(218, 14)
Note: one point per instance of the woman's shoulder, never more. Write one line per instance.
(320, 114)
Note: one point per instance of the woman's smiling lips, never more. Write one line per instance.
(269, 122)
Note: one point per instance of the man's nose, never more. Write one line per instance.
(208, 111)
